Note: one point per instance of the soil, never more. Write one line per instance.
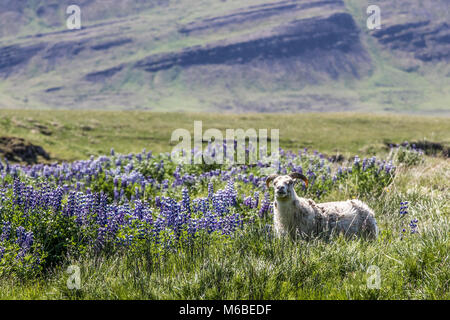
(19, 150)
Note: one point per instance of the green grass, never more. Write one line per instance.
(80, 134)
(253, 265)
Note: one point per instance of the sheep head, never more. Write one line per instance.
(284, 185)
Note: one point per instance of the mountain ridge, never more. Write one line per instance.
(264, 56)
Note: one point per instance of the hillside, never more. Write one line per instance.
(257, 55)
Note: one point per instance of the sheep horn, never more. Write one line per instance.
(296, 175)
(270, 179)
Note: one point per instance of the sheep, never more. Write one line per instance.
(300, 217)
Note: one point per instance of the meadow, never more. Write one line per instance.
(139, 226)
(109, 214)
(70, 135)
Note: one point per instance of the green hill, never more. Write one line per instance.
(226, 56)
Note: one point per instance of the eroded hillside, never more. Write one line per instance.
(260, 55)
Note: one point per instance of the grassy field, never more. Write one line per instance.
(71, 135)
(252, 264)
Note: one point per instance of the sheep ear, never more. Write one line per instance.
(296, 175)
(270, 179)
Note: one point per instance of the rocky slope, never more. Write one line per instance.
(335, 34)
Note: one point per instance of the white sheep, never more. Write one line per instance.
(302, 217)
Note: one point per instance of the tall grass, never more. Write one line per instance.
(255, 265)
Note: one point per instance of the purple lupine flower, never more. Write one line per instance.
(219, 203)
(192, 227)
(389, 167)
(6, 231)
(186, 202)
(364, 164)
(28, 241)
(413, 226)
(248, 201)
(256, 202)
(57, 197)
(101, 239)
(158, 201)
(230, 193)
(158, 226)
(25, 241)
(70, 207)
(403, 207)
(139, 209)
(137, 193)
(20, 234)
(265, 206)
(18, 188)
(402, 234)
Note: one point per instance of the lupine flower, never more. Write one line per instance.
(28, 241)
(364, 164)
(6, 231)
(413, 226)
(265, 205)
(20, 234)
(186, 202)
(403, 207)
(101, 237)
(71, 192)
(256, 202)
(248, 202)
(402, 234)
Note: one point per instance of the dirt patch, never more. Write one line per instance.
(19, 150)
(43, 129)
(429, 148)
(339, 158)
